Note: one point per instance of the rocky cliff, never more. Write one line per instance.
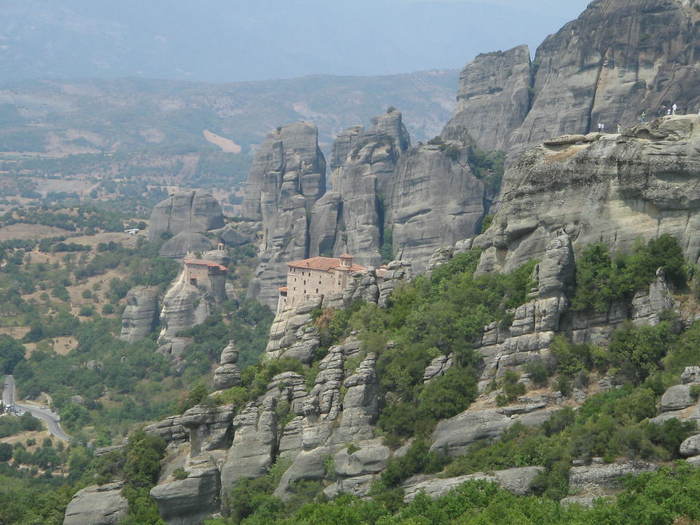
(611, 188)
(493, 99)
(288, 176)
(619, 59)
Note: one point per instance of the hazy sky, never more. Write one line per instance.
(229, 40)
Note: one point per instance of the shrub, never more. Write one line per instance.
(180, 473)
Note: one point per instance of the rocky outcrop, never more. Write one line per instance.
(435, 201)
(188, 211)
(228, 374)
(516, 480)
(493, 99)
(97, 505)
(454, 436)
(536, 322)
(140, 314)
(637, 185)
(607, 476)
(293, 334)
(287, 177)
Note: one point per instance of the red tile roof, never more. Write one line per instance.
(208, 264)
(324, 264)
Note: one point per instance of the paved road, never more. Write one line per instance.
(52, 419)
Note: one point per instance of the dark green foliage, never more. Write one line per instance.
(602, 279)
(488, 166)
(668, 496)
(5, 451)
(418, 458)
(11, 353)
(638, 351)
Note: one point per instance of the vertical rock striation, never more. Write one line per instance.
(493, 99)
(288, 176)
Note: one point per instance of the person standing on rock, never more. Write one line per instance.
(643, 117)
(674, 108)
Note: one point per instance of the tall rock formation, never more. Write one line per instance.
(141, 312)
(618, 59)
(351, 218)
(288, 176)
(435, 201)
(493, 99)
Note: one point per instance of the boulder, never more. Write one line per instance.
(676, 397)
(188, 211)
(691, 446)
(97, 505)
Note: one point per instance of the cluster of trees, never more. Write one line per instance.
(603, 278)
(83, 218)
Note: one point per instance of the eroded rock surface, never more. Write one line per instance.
(140, 314)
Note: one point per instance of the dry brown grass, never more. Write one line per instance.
(30, 231)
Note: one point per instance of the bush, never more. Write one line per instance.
(180, 473)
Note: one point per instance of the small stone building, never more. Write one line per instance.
(317, 276)
(207, 275)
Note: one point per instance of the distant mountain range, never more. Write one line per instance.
(156, 118)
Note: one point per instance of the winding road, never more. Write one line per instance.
(51, 418)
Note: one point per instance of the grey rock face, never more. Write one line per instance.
(648, 307)
(292, 333)
(190, 211)
(453, 436)
(353, 216)
(604, 67)
(493, 99)
(605, 476)
(140, 314)
(516, 480)
(190, 500)
(184, 306)
(255, 438)
(97, 505)
(435, 201)
(287, 177)
(690, 375)
(650, 167)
